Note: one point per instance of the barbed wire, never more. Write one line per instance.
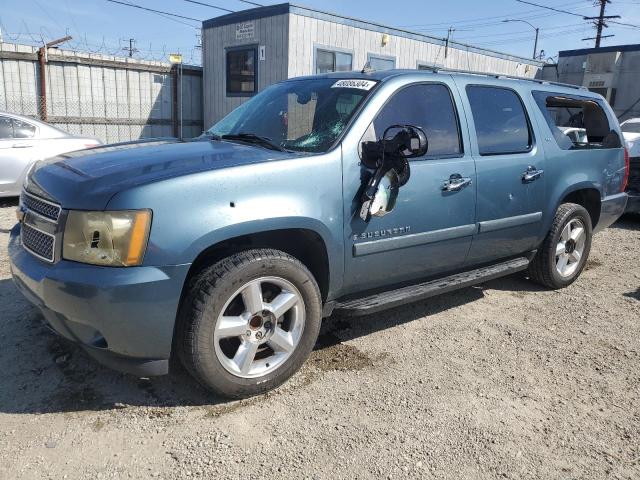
(81, 44)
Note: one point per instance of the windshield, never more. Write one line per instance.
(300, 115)
(631, 127)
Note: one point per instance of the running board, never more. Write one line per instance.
(421, 291)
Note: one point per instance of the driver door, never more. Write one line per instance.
(430, 230)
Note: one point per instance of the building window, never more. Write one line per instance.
(242, 78)
(328, 61)
(430, 107)
(502, 125)
(379, 63)
(576, 122)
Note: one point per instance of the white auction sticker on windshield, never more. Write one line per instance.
(359, 84)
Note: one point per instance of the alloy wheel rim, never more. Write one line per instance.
(259, 327)
(570, 248)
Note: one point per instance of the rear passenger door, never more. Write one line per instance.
(510, 172)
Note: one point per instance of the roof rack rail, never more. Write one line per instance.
(503, 75)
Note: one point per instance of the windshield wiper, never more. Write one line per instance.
(211, 135)
(253, 138)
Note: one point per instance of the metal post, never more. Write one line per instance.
(181, 132)
(535, 44)
(42, 70)
(42, 64)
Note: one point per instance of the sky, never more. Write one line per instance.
(106, 27)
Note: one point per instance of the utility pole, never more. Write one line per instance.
(600, 25)
(600, 22)
(446, 45)
(131, 48)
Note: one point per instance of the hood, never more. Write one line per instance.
(87, 179)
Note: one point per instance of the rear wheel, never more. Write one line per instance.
(249, 322)
(564, 252)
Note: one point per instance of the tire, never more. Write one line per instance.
(255, 286)
(546, 267)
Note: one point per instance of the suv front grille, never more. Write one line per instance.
(39, 243)
(41, 207)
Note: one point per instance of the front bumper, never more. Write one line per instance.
(611, 209)
(123, 317)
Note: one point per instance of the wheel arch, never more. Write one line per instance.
(310, 244)
(586, 195)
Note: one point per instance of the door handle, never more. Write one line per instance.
(456, 183)
(21, 145)
(532, 174)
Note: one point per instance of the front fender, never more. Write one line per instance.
(195, 212)
(333, 246)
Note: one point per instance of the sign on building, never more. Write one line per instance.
(245, 30)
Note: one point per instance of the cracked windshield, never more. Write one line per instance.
(302, 115)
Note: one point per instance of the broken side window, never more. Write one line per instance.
(576, 122)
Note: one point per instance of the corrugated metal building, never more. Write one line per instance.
(611, 71)
(246, 51)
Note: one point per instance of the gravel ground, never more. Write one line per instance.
(506, 380)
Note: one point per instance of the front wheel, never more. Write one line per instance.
(249, 322)
(565, 250)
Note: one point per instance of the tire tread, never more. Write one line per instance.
(541, 268)
(193, 314)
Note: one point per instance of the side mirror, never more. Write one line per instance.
(416, 141)
(389, 157)
(383, 193)
(408, 141)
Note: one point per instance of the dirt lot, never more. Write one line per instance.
(502, 381)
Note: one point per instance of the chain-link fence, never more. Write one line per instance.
(112, 99)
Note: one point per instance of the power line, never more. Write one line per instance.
(601, 19)
(625, 24)
(476, 19)
(479, 25)
(550, 8)
(252, 3)
(160, 12)
(209, 5)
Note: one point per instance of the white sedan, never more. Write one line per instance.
(631, 132)
(24, 141)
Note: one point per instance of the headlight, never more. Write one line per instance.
(25, 182)
(117, 238)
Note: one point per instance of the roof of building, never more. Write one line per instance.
(286, 8)
(612, 48)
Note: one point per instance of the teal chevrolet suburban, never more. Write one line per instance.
(350, 193)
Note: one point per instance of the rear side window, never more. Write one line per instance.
(6, 128)
(430, 107)
(501, 122)
(576, 122)
(23, 129)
